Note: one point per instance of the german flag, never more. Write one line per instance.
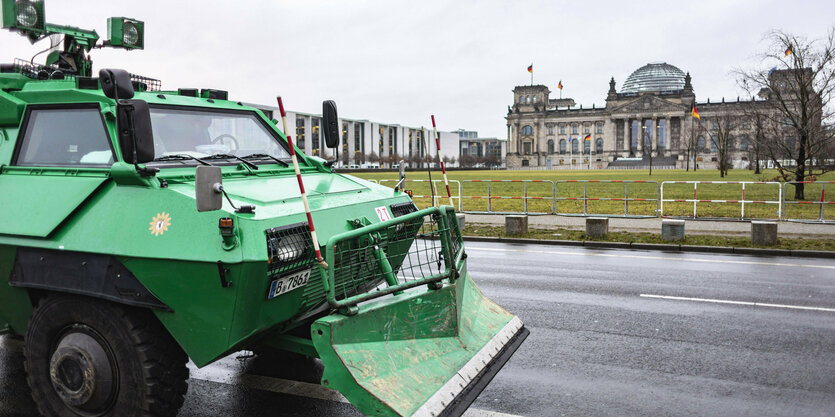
(560, 85)
(695, 113)
(588, 137)
(530, 68)
(789, 50)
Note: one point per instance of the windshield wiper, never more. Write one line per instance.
(266, 156)
(180, 157)
(228, 156)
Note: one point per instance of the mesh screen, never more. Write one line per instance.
(412, 249)
(289, 248)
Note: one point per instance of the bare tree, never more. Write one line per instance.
(722, 139)
(797, 93)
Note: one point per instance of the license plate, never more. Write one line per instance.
(289, 283)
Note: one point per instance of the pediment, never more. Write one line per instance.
(648, 104)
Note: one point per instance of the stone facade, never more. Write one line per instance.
(650, 117)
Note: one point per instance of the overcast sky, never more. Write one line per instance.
(400, 61)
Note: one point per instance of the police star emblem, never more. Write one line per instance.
(160, 223)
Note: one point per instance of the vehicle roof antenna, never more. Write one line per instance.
(319, 258)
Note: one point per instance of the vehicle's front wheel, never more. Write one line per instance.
(86, 357)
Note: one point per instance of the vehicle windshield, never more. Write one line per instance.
(202, 133)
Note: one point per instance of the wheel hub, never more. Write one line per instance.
(81, 372)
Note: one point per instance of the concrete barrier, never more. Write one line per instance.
(597, 226)
(516, 225)
(672, 229)
(763, 233)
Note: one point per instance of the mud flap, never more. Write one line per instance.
(424, 353)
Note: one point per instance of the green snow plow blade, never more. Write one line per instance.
(425, 351)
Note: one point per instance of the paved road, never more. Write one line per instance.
(653, 225)
(602, 343)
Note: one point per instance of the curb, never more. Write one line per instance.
(657, 246)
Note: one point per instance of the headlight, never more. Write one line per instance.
(289, 248)
(131, 34)
(27, 14)
(126, 32)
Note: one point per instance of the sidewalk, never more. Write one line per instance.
(653, 225)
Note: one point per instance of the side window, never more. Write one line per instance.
(65, 137)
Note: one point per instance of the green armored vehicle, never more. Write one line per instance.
(141, 227)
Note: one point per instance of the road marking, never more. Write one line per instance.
(285, 386)
(743, 303)
(663, 258)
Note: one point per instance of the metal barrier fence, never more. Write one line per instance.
(807, 206)
(425, 193)
(536, 196)
(644, 204)
(723, 212)
(641, 199)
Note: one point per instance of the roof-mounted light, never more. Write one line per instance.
(24, 15)
(126, 33)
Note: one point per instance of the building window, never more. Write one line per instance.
(586, 129)
(700, 144)
(527, 148)
(600, 128)
(526, 163)
(528, 99)
(587, 146)
(300, 139)
(562, 146)
(575, 146)
(550, 130)
(715, 125)
(562, 129)
(534, 99)
(527, 131)
(314, 136)
(599, 147)
(713, 140)
(358, 139)
(731, 142)
(574, 128)
(551, 146)
(743, 143)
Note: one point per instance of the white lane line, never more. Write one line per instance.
(300, 389)
(663, 258)
(743, 303)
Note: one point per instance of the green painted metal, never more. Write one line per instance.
(42, 202)
(392, 356)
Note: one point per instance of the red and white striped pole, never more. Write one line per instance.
(301, 186)
(443, 168)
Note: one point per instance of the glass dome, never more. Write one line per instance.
(655, 76)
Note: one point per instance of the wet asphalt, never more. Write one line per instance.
(601, 344)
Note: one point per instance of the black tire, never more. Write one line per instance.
(137, 370)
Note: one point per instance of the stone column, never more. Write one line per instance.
(640, 136)
(668, 136)
(653, 139)
(509, 139)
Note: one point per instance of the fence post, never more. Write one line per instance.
(488, 197)
(585, 200)
(625, 199)
(742, 215)
(556, 184)
(695, 186)
(525, 199)
(823, 192)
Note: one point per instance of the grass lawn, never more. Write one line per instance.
(541, 194)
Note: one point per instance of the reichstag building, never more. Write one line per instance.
(649, 117)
